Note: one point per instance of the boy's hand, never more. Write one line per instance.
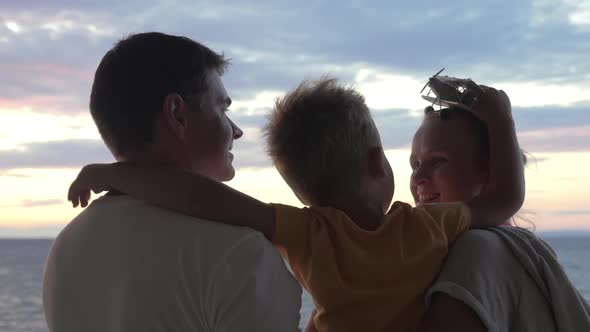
(89, 179)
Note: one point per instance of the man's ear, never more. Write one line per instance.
(376, 162)
(174, 111)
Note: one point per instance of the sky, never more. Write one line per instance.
(537, 51)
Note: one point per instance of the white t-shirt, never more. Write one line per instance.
(482, 272)
(124, 265)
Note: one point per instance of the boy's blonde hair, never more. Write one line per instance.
(318, 136)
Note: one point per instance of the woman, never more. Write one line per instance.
(491, 280)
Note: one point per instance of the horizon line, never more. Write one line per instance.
(547, 233)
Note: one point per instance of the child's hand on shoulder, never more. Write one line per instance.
(90, 178)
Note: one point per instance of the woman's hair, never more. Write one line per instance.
(480, 133)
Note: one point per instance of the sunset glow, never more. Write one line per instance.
(48, 54)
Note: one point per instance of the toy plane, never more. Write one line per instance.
(451, 91)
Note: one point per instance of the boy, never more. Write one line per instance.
(365, 268)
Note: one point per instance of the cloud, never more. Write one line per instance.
(20, 126)
(553, 129)
(31, 231)
(556, 139)
(76, 153)
(397, 127)
(34, 203)
(571, 213)
(409, 41)
(57, 154)
(540, 130)
(536, 118)
(536, 51)
(579, 13)
(13, 174)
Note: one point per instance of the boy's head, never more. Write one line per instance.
(323, 141)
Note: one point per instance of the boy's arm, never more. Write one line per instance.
(176, 189)
(504, 194)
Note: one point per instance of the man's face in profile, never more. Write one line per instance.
(211, 133)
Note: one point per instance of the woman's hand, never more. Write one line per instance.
(90, 178)
(492, 106)
(504, 194)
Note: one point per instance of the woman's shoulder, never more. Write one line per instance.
(479, 255)
(482, 271)
(478, 242)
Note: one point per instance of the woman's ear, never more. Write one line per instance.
(174, 112)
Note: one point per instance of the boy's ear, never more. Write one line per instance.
(376, 162)
(174, 112)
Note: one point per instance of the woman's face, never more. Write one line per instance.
(447, 160)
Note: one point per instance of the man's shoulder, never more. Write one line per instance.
(139, 230)
(125, 217)
(135, 213)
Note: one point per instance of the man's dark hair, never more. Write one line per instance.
(136, 75)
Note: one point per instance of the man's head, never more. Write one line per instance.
(160, 98)
(323, 141)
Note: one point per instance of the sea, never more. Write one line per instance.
(22, 260)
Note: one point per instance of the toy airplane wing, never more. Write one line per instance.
(445, 103)
(466, 83)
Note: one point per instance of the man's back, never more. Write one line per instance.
(123, 265)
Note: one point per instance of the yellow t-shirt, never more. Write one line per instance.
(368, 280)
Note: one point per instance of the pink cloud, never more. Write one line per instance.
(560, 139)
(45, 87)
(57, 70)
(43, 103)
(577, 131)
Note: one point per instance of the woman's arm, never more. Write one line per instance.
(504, 194)
(175, 189)
(449, 314)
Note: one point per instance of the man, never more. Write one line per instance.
(124, 265)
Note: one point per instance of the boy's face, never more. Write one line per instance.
(389, 186)
(379, 183)
(446, 162)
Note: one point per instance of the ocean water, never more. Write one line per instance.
(21, 268)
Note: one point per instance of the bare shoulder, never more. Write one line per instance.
(449, 314)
